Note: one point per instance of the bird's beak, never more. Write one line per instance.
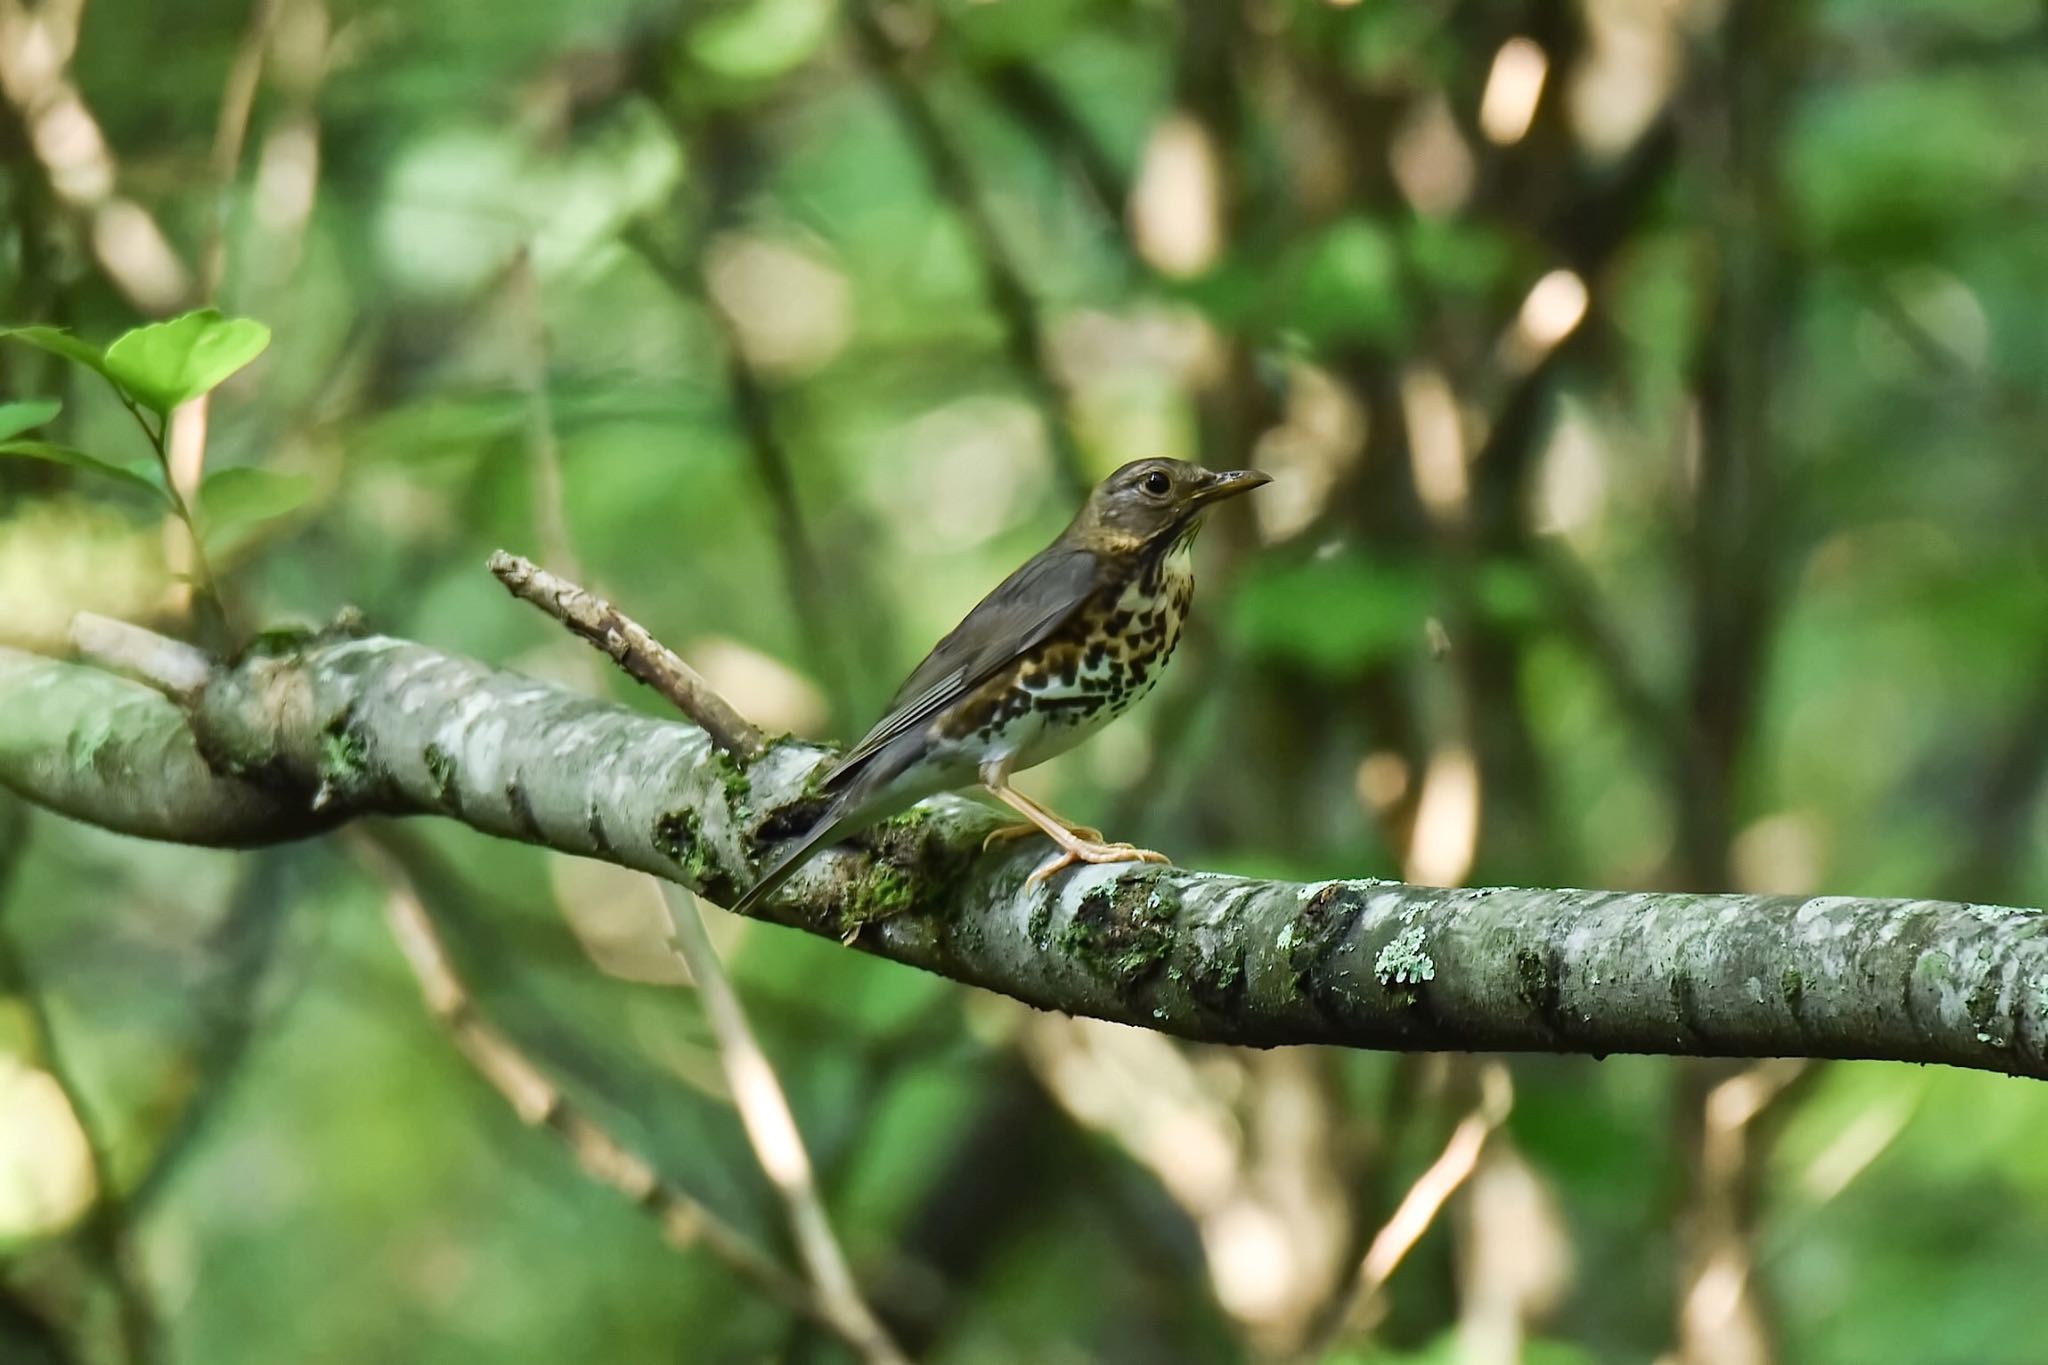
(1229, 485)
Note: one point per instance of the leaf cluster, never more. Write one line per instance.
(154, 370)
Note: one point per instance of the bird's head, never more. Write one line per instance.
(1149, 502)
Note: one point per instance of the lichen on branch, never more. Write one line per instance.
(312, 730)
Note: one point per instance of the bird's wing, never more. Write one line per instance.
(1023, 610)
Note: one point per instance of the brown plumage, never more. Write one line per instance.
(1061, 647)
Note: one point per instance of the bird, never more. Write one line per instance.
(1063, 646)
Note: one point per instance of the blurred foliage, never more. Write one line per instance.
(1660, 447)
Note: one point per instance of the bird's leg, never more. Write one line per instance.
(1009, 832)
(1075, 846)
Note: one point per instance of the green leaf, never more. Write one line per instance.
(134, 475)
(59, 342)
(168, 363)
(16, 418)
(233, 498)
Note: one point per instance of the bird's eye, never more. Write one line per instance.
(1157, 484)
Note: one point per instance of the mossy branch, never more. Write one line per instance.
(306, 732)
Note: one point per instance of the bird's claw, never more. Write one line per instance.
(1009, 832)
(1091, 851)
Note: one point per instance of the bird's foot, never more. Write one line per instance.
(1090, 851)
(1009, 832)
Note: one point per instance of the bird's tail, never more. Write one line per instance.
(876, 789)
(839, 820)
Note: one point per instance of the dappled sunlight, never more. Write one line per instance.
(1552, 310)
(791, 309)
(617, 923)
(1431, 162)
(764, 687)
(1176, 208)
(1436, 442)
(46, 1177)
(1383, 780)
(1784, 854)
(1446, 834)
(1318, 441)
(1241, 1145)
(1572, 491)
(1516, 1264)
(977, 464)
(1512, 88)
(60, 558)
(1633, 67)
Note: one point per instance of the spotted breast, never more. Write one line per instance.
(1103, 662)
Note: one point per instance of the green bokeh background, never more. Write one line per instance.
(1748, 587)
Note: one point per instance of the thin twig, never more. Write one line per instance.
(1424, 1200)
(539, 1102)
(231, 134)
(757, 1092)
(771, 1128)
(205, 588)
(172, 667)
(130, 247)
(628, 644)
(1002, 278)
(185, 450)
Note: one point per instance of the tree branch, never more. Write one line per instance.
(332, 726)
(629, 645)
(771, 1130)
(539, 1102)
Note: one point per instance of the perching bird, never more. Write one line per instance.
(1060, 648)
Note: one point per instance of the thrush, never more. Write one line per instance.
(1059, 649)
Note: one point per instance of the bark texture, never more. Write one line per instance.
(305, 732)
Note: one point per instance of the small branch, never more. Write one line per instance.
(204, 588)
(645, 659)
(538, 1102)
(757, 1092)
(230, 135)
(130, 247)
(124, 757)
(172, 667)
(771, 1129)
(1424, 1200)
